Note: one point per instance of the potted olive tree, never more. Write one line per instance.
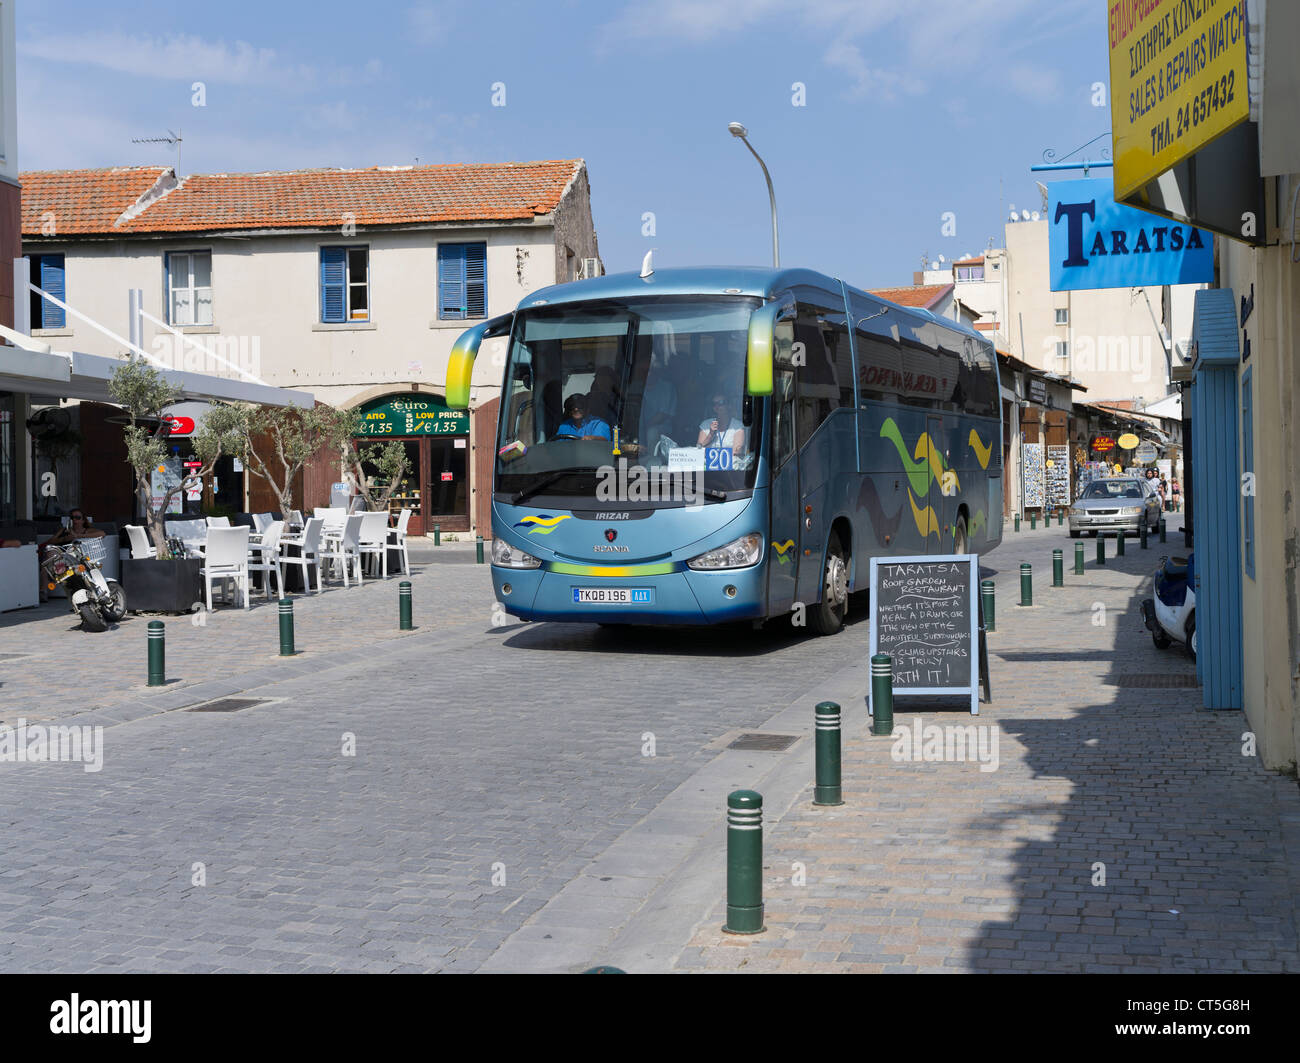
(163, 583)
(275, 443)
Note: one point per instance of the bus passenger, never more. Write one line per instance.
(723, 429)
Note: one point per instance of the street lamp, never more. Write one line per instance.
(738, 130)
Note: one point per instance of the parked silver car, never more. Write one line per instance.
(1118, 505)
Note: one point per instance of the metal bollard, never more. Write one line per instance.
(1142, 535)
(1101, 549)
(1060, 518)
(1017, 522)
(744, 863)
(404, 606)
(157, 653)
(286, 627)
(437, 535)
(1033, 522)
(1058, 568)
(827, 790)
(478, 549)
(1026, 583)
(1078, 559)
(882, 695)
(987, 593)
(1119, 543)
(1162, 529)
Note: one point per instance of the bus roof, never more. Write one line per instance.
(719, 280)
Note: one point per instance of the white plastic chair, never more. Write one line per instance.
(262, 521)
(397, 539)
(373, 541)
(218, 522)
(227, 558)
(346, 548)
(309, 545)
(264, 557)
(139, 540)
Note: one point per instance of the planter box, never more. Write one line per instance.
(154, 586)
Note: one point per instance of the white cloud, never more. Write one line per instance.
(430, 23)
(866, 80)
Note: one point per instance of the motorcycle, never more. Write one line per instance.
(1171, 615)
(99, 601)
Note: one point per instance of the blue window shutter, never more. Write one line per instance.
(451, 281)
(476, 280)
(333, 284)
(52, 280)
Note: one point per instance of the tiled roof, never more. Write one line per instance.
(96, 200)
(82, 201)
(923, 295)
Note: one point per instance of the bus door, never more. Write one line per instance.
(936, 542)
(783, 548)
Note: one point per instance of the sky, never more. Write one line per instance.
(907, 110)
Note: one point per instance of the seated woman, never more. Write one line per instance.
(79, 528)
(723, 429)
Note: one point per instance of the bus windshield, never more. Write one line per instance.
(650, 387)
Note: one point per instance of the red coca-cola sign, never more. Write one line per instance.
(181, 426)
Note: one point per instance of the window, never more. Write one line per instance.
(462, 281)
(189, 287)
(1062, 316)
(344, 284)
(1248, 466)
(47, 274)
(825, 379)
(1063, 348)
(970, 273)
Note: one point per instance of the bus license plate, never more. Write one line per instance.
(611, 596)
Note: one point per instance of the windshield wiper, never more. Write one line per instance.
(542, 484)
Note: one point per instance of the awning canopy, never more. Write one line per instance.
(86, 376)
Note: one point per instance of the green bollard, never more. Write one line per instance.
(1033, 522)
(1101, 549)
(157, 653)
(404, 606)
(1026, 583)
(987, 593)
(1017, 522)
(827, 790)
(882, 695)
(1078, 559)
(478, 549)
(437, 535)
(1142, 535)
(1119, 544)
(744, 863)
(1058, 568)
(1162, 529)
(1060, 518)
(286, 627)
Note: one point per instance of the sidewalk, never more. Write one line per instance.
(1105, 768)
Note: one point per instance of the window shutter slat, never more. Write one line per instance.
(53, 281)
(451, 281)
(476, 280)
(333, 284)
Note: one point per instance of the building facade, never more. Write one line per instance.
(351, 284)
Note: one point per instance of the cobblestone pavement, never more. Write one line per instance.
(499, 812)
(941, 867)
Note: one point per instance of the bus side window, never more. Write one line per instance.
(782, 416)
(823, 332)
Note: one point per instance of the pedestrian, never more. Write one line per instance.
(1177, 502)
(1163, 489)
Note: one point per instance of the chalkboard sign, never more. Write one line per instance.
(925, 615)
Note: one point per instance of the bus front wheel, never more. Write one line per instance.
(827, 616)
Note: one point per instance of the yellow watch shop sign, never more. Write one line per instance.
(1177, 81)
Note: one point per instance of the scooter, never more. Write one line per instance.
(1171, 615)
(100, 601)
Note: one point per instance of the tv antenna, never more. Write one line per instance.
(171, 138)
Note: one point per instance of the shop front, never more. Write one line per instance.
(435, 486)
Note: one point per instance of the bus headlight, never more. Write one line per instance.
(739, 553)
(506, 556)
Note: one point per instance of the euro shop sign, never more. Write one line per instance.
(1094, 242)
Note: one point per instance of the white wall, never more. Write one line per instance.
(266, 303)
(8, 94)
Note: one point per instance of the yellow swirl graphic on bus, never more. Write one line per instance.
(781, 549)
(982, 451)
(542, 523)
(926, 521)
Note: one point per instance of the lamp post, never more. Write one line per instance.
(738, 130)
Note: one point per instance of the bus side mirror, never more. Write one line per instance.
(762, 345)
(460, 365)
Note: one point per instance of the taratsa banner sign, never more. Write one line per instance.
(1095, 242)
(1177, 81)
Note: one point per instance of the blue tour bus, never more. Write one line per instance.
(709, 445)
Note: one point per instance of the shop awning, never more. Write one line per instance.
(86, 376)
